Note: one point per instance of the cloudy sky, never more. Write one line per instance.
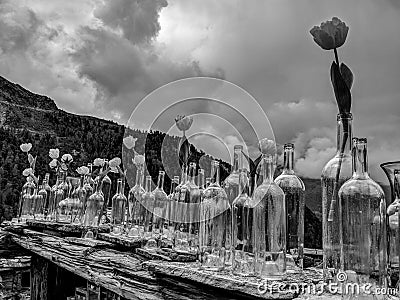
(103, 57)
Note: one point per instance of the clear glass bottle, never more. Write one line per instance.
(79, 197)
(94, 206)
(119, 202)
(61, 194)
(169, 230)
(26, 198)
(215, 227)
(240, 263)
(294, 190)
(363, 222)
(182, 216)
(106, 190)
(52, 199)
(231, 183)
(269, 225)
(37, 204)
(45, 192)
(136, 210)
(159, 212)
(193, 208)
(201, 181)
(148, 203)
(334, 174)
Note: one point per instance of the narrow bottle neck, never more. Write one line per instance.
(243, 182)
(268, 168)
(119, 186)
(192, 170)
(139, 177)
(237, 159)
(148, 184)
(173, 186)
(201, 179)
(160, 181)
(215, 173)
(288, 161)
(184, 175)
(360, 158)
(82, 182)
(47, 178)
(344, 133)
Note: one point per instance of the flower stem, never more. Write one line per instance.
(336, 56)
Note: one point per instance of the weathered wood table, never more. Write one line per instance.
(68, 266)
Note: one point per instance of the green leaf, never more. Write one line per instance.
(342, 92)
(347, 75)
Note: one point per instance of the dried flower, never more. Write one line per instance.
(330, 34)
(267, 147)
(98, 162)
(139, 160)
(67, 158)
(27, 172)
(82, 170)
(53, 163)
(26, 147)
(129, 142)
(54, 153)
(114, 164)
(183, 123)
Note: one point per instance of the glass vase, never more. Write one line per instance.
(334, 174)
(94, 206)
(118, 213)
(26, 198)
(294, 190)
(148, 203)
(268, 216)
(215, 224)
(363, 223)
(136, 210)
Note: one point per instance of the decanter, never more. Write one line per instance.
(363, 239)
(215, 227)
(159, 211)
(294, 190)
(119, 202)
(231, 183)
(240, 263)
(392, 171)
(334, 174)
(269, 225)
(148, 203)
(136, 210)
(94, 206)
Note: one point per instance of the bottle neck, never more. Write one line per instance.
(82, 181)
(148, 184)
(201, 179)
(183, 176)
(243, 182)
(237, 160)
(47, 178)
(344, 133)
(268, 169)
(139, 177)
(160, 181)
(215, 173)
(173, 186)
(192, 170)
(97, 186)
(360, 159)
(396, 184)
(288, 161)
(119, 186)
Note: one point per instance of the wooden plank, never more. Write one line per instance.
(121, 240)
(39, 277)
(116, 271)
(65, 228)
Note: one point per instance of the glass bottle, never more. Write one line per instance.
(52, 199)
(36, 203)
(294, 190)
(231, 183)
(215, 227)
(94, 206)
(106, 191)
(240, 263)
(148, 203)
(334, 174)
(60, 196)
(78, 199)
(193, 209)
(26, 198)
(269, 225)
(41, 213)
(182, 218)
(392, 171)
(159, 212)
(136, 211)
(201, 181)
(118, 209)
(45, 192)
(170, 218)
(363, 222)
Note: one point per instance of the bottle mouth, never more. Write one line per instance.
(288, 146)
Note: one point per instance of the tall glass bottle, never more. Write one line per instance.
(193, 210)
(170, 218)
(215, 216)
(240, 262)
(106, 191)
(94, 206)
(42, 212)
(148, 203)
(294, 190)
(159, 212)
(118, 209)
(26, 198)
(181, 215)
(231, 183)
(136, 210)
(46, 195)
(201, 182)
(79, 197)
(61, 194)
(52, 198)
(363, 222)
(269, 225)
(334, 174)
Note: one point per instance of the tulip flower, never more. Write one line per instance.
(129, 142)
(82, 170)
(67, 158)
(26, 147)
(27, 172)
(183, 123)
(53, 164)
(114, 164)
(98, 162)
(139, 160)
(330, 34)
(54, 153)
(267, 147)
